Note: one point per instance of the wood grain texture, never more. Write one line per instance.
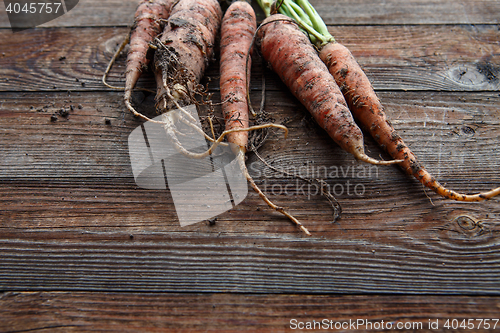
(359, 12)
(70, 203)
(83, 248)
(342, 12)
(157, 312)
(430, 58)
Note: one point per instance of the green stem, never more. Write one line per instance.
(306, 17)
(266, 6)
(317, 21)
(292, 10)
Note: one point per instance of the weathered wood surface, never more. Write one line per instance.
(73, 219)
(156, 312)
(430, 57)
(342, 12)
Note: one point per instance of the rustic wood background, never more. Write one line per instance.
(83, 248)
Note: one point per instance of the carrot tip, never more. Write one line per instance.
(241, 161)
(439, 189)
(304, 229)
(368, 159)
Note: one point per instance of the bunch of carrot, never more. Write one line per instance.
(182, 34)
(281, 35)
(331, 84)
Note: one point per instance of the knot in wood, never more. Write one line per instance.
(467, 130)
(466, 223)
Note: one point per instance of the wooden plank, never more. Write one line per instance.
(460, 58)
(72, 217)
(131, 312)
(360, 12)
(437, 58)
(342, 12)
(81, 145)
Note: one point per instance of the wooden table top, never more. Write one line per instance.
(82, 247)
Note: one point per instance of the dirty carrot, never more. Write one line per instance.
(182, 53)
(362, 100)
(237, 31)
(148, 23)
(294, 59)
(184, 50)
(368, 110)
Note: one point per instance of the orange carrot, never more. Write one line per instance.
(237, 31)
(368, 110)
(294, 59)
(361, 98)
(147, 25)
(184, 50)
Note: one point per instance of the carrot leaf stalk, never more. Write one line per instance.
(304, 14)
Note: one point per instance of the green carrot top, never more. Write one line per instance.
(304, 14)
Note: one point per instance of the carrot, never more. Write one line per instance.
(184, 50)
(237, 31)
(294, 59)
(362, 100)
(368, 110)
(148, 23)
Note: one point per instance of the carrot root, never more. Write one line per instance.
(241, 161)
(430, 182)
(111, 63)
(368, 110)
(237, 30)
(148, 23)
(170, 129)
(237, 36)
